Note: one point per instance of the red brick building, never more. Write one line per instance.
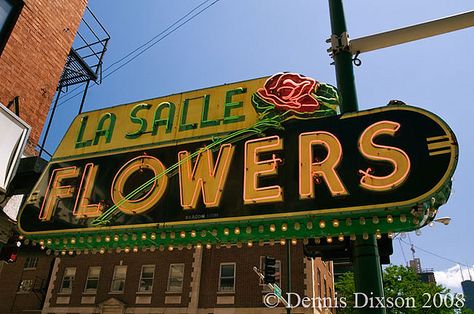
(200, 280)
(35, 40)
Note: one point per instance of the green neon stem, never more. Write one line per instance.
(266, 121)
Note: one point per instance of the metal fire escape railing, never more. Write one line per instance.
(83, 64)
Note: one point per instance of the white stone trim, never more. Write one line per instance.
(52, 280)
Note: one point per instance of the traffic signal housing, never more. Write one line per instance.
(269, 270)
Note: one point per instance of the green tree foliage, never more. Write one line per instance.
(402, 283)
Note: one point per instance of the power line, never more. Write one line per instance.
(156, 36)
(437, 255)
(169, 28)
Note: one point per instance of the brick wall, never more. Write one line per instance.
(248, 291)
(11, 275)
(34, 56)
(134, 262)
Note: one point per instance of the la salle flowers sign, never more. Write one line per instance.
(254, 161)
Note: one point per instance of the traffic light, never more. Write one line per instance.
(269, 270)
(9, 251)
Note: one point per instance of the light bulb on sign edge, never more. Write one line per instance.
(341, 237)
(389, 219)
(365, 236)
(335, 223)
(226, 231)
(272, 228)
(375, 220)
(403, 218)
(294, 241)
(193, 233)
(329, 240)
(284, 227)
(237, 230)
(322, 224)
(282, 241)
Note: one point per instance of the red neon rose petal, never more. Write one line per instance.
(289, 91)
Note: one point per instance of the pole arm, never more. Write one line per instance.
(412, 33)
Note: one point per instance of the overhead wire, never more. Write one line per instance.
(164, 34)
(434, 254)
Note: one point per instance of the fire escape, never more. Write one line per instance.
(83, 65)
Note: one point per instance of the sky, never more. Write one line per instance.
(239, 40)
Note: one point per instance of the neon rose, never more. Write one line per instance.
(289, 91)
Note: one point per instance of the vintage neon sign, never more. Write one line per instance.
(285, 168)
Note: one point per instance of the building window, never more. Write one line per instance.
(25, 286)
(146, 278)
(31, 262)
(118, 281)
(175, 278)
(92, 281)
(68, 279)
(277, 273)
(9, 12)
(227, 277)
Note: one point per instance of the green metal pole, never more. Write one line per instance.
(365, 256)
(343, 60)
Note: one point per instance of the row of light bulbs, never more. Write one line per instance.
(209, 245)
(227, 231)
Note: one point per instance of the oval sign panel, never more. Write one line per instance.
(286, 167)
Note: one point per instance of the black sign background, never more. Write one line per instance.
(426, 175)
